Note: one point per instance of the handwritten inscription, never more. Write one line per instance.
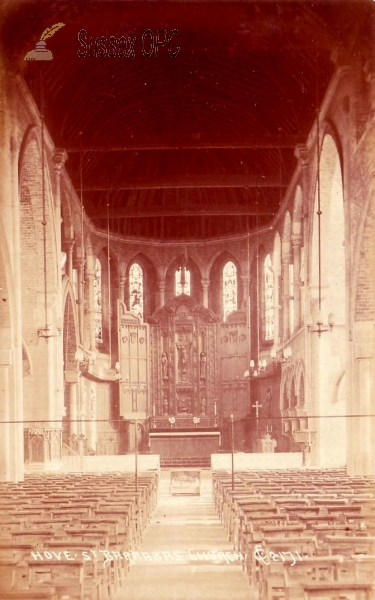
(267, 557)
(133, 557)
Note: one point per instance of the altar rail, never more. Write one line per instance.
(122, 462)
(255, 460)
(184, 422)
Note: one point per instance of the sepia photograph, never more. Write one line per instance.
(187, 299)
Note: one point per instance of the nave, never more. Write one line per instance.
(256, 535)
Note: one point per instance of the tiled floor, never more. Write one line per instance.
(185, 529)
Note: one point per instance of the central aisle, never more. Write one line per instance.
(181, 524)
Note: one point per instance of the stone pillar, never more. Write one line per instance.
(10, 208)
(59, 157)
(92, 434)
(50, 377)
(5, 426)
(361, 426)
(82, 413)
(205, 286)
(68, 246)
(122, 289)
(161, 288)
(71, 380)
(79, 264)
(90, 274)
(73, 408)
(276, 275)
(285, 262)
(297, 243)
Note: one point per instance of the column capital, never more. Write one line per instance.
(286, 259)
(297, 239)
(302, 155)
(59, 158)
(68, 245)
(205, 282)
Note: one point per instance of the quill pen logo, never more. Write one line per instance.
(41, 52)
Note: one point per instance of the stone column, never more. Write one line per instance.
(161, 288)
(205, 286)
(82, 405)
(297, 243)
(92, 433)
(73, 408)
(71, 379)
(68, 246)
(79, 264)
(361, 426)
(5, 426)
(90, 274)
(276, 275)
(59, 157)
(285, 262)
(122, 289)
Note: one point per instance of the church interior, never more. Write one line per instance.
(187, 347)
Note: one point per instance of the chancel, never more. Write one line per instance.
(187, 294)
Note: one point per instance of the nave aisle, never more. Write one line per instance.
(180, 524)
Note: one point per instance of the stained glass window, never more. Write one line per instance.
(269, 299)
(98, 314)
(182, 276)
(229, 288)
(136, 289)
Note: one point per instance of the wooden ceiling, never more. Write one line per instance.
(191, 144)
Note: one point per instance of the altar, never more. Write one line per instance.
(184, 444)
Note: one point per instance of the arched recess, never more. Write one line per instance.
(215, 293)
(195, 278)
(149, 284)
(70, 346)
(329, 351)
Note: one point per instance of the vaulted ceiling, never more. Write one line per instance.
(191, 144)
